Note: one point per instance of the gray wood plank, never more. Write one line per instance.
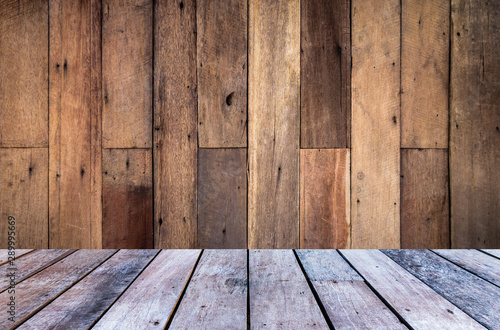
(4, 254)
(495, 253)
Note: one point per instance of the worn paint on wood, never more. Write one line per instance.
(375, 153)
(222, 198)
(127, 199)
(273, 113)
(325, 198)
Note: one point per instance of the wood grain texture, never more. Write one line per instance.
(72, 309)
(175, 128)
(474, 124)
(6, 254)
(279, 295)
(325, 199)
(168, 273)
(425, 216)
(24, 196)
(222, 73)
(375, 153)
(127, 73)
(216, 297)
(325, 68)
(127, 220)
(74, 144)
(495, 253)
(417, 303)
(24, 73)
(468, 292)
(425, 50)
(222, 198)
(273, 113)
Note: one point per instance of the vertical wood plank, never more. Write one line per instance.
(273, 105)
(222, 73)
(474, 124)
(425, 73)
(24, 73)
(127, 52)
(325, 73)
(175, 128)
(425, 222)
(325, 199)
(127, 199)
(375, 153)
(222, 198)
(24, 196)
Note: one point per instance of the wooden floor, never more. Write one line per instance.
(260, 289)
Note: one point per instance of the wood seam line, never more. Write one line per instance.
(48, 124)
(491, 255)
(153, 29)
(17, 257)
(450, 37)
(35, 311)
(248, 290)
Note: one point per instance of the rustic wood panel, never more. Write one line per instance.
(24, 196)
(273, 113)
(325, 199)
(169, 272)
(127, 70)
(175, 128)
(375, 153)
(474, 124)
(18, 253)
(127, 220)
(425, 50)
(325, 68)
(425, 216)
(24, 66)
(495, 253)
(222, 198)
(222, 73)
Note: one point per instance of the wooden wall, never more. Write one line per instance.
(259, 123)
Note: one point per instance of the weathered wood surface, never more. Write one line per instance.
(216, 297)
(375, 153)
(273, 131)
(127, 192)
(425, 216)
(280, 297)
(418, 304)
(474, 124)
(325, 68)
(175, 127)
(425, 50)
(4, 254)
(222, 73)
(23, 196)
(127, 73)
(495, 253)
(168, 274)
(325, 199)
(222, 198)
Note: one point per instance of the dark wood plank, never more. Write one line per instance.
(474, 124)
(280, 297)
(24, 73)
(325, 199)
(375, 153)
(127, 73)
(150, 300)
(273, 131)
(419, 305)
(222, 198)
(24, 197)
(86, 301)
(425, 216)
(6, 254)
(222, 73)
(175, 128)
(325, 69)
(216, 297)
(473, 295)
(127, 219)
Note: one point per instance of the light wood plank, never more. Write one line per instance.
(6, 255)
(273, 114)
(375, 153)
(495, 253)
(149, 302)
(222, 73)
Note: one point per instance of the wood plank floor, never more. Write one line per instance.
(257, 289)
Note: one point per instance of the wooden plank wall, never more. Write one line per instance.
(250, 123)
